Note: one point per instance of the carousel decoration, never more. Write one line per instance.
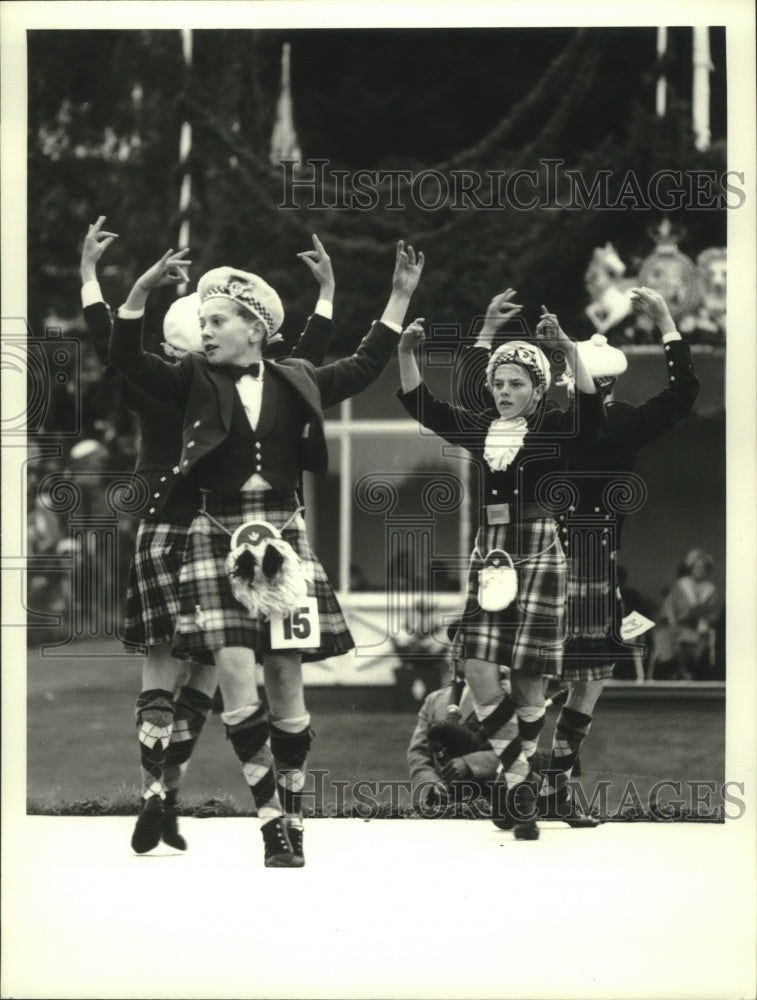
(670, 272)
(610, 292)
(707, 322)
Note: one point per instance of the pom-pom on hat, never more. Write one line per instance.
(519, 352)
(248, 290)
(181, 325)
(599, 359)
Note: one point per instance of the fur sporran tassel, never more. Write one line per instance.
(268, 579)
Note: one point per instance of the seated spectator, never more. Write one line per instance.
(690, 610)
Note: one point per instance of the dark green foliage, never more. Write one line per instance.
(105, 111)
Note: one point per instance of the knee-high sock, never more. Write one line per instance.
(530, 724)
(247, 728)
(192, 710)
(290, 742)
(502, 731)
(155, 712)
(571, 730)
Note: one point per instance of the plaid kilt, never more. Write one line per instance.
(529, 634)
(204, 584)
(152, 591)
(595, 614)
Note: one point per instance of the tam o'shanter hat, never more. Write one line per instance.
(599, 359)
(248, 290)
(181, 325)
(520, 352)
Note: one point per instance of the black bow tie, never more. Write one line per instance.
(237, 371)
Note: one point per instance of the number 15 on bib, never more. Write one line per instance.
(300, 630)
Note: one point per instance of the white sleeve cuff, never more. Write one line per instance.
(673, 335)
(392, 326)
(325, 308)
(90, 293)
(125, 313)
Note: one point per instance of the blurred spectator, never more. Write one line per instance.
(689, 612)
(88, 461)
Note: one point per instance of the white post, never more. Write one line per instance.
(284, 145)
(701, 90)
(185, 147)
(662, 46)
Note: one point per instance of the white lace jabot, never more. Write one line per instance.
(504, 440)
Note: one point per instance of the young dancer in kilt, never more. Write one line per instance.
(250, 429)
(517, 442)
(599, 475)
(176, 695)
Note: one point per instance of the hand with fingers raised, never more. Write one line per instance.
(171, 269)
(412, 336)
(407, 269)
(96, 242)
(498, 312)
(319, 263)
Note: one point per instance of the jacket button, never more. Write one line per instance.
(185, 462)
(258, 468)
(515, 493)
(197, 423)
(155, 496)
(152, 510)
(190, 444)
(162, 479)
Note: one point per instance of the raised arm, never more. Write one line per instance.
(349, 376)
(677, 399)
(469, 376)
(316, 337)
(96, 313)
(148, 372)
(454, 423)
(549, 331)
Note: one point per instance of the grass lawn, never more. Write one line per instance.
(82, 745)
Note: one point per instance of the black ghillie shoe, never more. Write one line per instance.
(296, 839)
(149, 825)
(278, 847)
(515, 809)
(522, 807)
(170, 828)
(561, 805)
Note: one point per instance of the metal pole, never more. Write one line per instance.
(185, 148)
(662, 46)
(701, 88)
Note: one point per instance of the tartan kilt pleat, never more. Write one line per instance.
(152, 591)
(529, 634)
(595, 614)
(211, 618)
